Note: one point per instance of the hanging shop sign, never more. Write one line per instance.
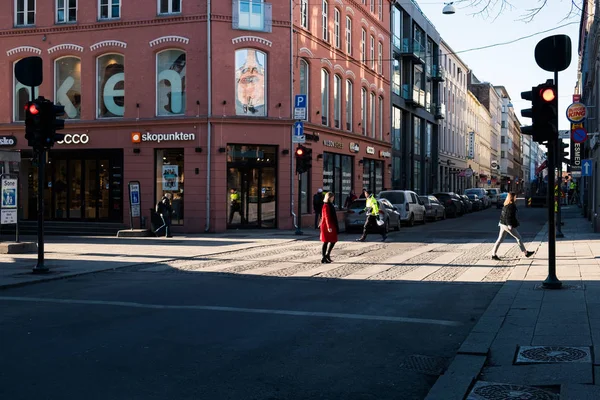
(354, 147)
(576, 112)
(331, 143)
(495, 164)
(385, 154)
(370, 150)
(138, 137)
(471, 145)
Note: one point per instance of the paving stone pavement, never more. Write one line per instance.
(564, 323)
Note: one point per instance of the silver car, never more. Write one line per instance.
(354, 220)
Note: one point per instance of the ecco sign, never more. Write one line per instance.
(7, 141)
(75, 138)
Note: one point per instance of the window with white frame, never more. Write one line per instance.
(251, 83)
(349, 88)
(251, 15)
(363, 110)
(380, 9)
(304, 13)
(324, 97)
(380, 58)
(170, 82)
(66, 11)
(24, 12)
(372, 52)
(109, 9)
(349, 36)
(363, 46)
(380, 118)
(336, 29)
(111, 86)
(325, 21)
(169, 6)
(337, 101)
(372, 6)
(372, 114)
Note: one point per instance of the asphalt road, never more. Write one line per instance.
(127, 334)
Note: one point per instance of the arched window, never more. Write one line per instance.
(170, 82)
(250, 83)
(337, 101)
(324, 97)
(67, 85)
(111, 85)
(363, 110)
(304, 79)
(349, 89)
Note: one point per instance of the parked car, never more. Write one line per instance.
(466, 202)
(451, 202)
(482, 193)
(493, 195)
(501, 199)
(410, 207)
(355, 221)
(434, 210)
(477, 204)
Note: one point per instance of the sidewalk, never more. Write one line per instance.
(500, 360)
(72, 256)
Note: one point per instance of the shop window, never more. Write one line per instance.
(111, 86)
(324, 97)
(169, 6)
(21, 95)
(169, 179)
(170, 82)
(109, 9)
(66, 11)
(337, 176)
(349, 89)
(373, 175)
(67, 83)
(372, 115)
(250, 83)
(24, 12)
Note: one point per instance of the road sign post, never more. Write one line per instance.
(298, 136)
(134, 202)
(586, 167)
(300, 107)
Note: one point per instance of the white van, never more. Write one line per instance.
(407, 203)
(493, 195)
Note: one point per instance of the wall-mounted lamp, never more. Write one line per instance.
(222, 149)
(361, 162)
(44, 38)
(318, 112)
(359, 124)
(198, 149)
(137, 105)
(285, 151)
(388, 134)
(136, 151)
(319, 156)
(224, 102)
(278, 105)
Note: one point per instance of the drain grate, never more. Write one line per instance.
(424, 364)
(553, 354)
(502, 391)
(540, 286)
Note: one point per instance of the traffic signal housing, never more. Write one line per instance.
(55, 123)
(33, 123)
(303, 159)
(42, 121)
(562, 154)
(543, 112)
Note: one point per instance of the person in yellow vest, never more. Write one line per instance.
(235, 205)
(372, 210)
(572, 188)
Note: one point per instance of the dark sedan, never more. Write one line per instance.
(434, 210)
(451, 202)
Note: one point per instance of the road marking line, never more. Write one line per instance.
(235, 309)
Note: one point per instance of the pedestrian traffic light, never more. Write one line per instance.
(543, 112)
(303, 159)
(33, 123)
(562, 154)
(54, 123)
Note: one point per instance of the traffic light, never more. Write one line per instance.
(33, 123)
(543, 112)
(303, 159)
(562, 154)
(55, 123)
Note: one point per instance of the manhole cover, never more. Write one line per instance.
(553, 354)
(540, 286)
(502, 391)
(424, 364)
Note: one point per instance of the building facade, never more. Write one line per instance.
(135, 114)
(417, 106)
(479, 147)
(453, 142)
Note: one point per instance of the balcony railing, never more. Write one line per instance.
(252, 16)
(438, 73)
(414, 95)
(413, 48)
(438, 111)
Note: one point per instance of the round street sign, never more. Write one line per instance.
(579, 135)
(576, 112)
(468, 172)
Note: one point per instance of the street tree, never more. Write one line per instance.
(494, 8)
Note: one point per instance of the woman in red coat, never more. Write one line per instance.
(329, 227)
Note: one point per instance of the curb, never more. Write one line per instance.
(471, 357)
(50, 277)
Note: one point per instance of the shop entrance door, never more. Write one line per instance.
(251, 201)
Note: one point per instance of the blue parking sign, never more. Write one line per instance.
(9, 193)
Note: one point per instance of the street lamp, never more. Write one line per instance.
(449, 9)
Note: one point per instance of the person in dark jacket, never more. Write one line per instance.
(164, 210)
(318, 206)
(329, 227)
(508, 224)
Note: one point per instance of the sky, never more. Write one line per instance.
(513, 65)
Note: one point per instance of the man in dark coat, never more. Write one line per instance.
(318, 206)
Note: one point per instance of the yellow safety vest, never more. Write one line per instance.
(234, 196)
(372, 203)
(572, 185)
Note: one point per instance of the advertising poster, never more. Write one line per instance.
(250, 84)
(170, 177)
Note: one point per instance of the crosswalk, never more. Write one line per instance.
(434, 261)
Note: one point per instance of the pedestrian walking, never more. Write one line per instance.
(329, 227)
(318, 206)
(164, 210)
(372, 221)
(364, 194)
(235, 206)
(508, 224)
(351, 197)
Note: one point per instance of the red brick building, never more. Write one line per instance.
(195, 99)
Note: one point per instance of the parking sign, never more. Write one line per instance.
(300, 106)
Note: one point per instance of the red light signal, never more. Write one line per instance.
(547, 94)
(299, 152)
(33, 109)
